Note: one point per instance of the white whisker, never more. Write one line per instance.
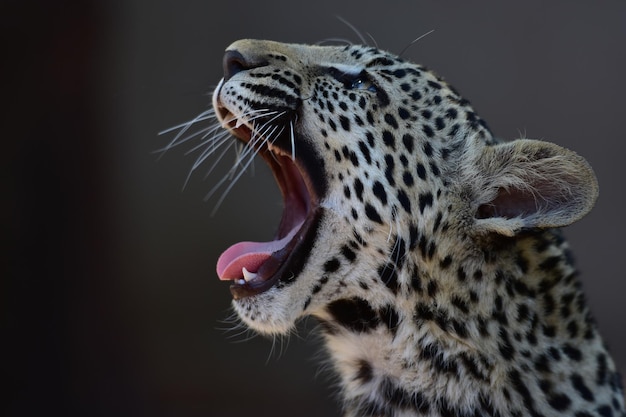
(293, 141)
(184, 127)
(354, 29)
(207, 114)
(414, 41)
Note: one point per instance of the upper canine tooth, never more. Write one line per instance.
(239, 123)
(247, 275)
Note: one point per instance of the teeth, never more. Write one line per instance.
(240, 281)
(239, 123)
(247, 275)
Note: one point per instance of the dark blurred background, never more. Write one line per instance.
(112, 306)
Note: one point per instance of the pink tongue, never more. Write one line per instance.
(249, 255)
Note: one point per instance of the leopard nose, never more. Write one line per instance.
(235, 62)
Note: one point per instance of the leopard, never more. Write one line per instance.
(429, 252)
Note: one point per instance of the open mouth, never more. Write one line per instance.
(255, 267)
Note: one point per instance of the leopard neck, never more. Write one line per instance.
(493, 337)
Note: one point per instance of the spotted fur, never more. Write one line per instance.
(434, 263)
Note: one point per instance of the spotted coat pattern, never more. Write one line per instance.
(435, 266)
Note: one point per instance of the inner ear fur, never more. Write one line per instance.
(529, 184)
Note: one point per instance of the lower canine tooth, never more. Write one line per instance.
(247, 275)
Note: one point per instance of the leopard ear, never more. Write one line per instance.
(528, 184)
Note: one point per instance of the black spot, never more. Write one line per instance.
(413, 234)
(572, 352)
(371, 141)
(439, 123)
(379, 62)
(416, 282)
(421, 171)
(605, 411)
(432, 288)
(579, 384)
(437, 221)
(434, 85)
(379, 192)
(549, 305)
(389, 168)
(358, 189)
(549, 330)
(459, 303)
(354, 314)
(348, 253)
(428, 131)
(572, 329)
(383, 98)
(549, 263)
(389, 276)
(423, 312)
(345, 123)
(332, 265)
(559, 401)
(423, 245)
(542, 364)
(425, 200)
(428, 149)
(434, 169)
(389, 316)
(365, 152)
(522, 312)
(451, 113)
(445, 262)
(522, 263)
(434, 354)
(364, 373)
(521, 387)
(372, 214)
(403, 198)
(408, 140)
(389, 139)
(407, 178)
(399, 73)
(506, 348)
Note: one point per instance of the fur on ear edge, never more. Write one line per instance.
(529, 184)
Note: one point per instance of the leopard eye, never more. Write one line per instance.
(363, 84)
(353, 81)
